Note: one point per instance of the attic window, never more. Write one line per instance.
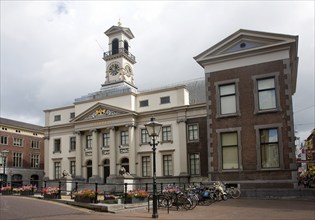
(243, 45)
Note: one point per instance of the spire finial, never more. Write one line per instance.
(119, 23)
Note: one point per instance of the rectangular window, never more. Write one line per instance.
(166, 133)
(72, 143)
(194, 162)
(106, 140)
(35, 144)
(72, 115)
(124, 138)
(57, 145)
(145, 138)
(4, 140)
(57, 170)
(18, 142)
(144, 103)
(17, 159)
(167, 165)
(266, 94)
(227, 99)
(57, 118)
(229, 150)
(35, 161)
(146, 166)
(165, 100)
(88, 142)
(193, 132)
(72, 168)
(269, 147)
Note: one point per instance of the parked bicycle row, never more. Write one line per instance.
(201, 194)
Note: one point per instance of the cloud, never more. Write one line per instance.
(51, 51)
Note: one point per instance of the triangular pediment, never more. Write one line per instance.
(242, 42)
(117, 29)
(101, 111)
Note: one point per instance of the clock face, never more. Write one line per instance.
(128, 70)
(114, 69)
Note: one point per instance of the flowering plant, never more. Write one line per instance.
(138, 194)
(85, 193)
(109, 196)
(51, 190)
(6, 188)
(28, 188)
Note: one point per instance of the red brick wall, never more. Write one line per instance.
(248, 119)
(25, 149)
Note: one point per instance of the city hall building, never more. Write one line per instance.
(235, 125)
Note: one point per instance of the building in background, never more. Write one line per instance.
(309, 151)
(251, 77)
(25, 145)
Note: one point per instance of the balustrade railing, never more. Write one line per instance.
(119, 50)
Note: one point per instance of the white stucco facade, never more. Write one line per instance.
(107, 127)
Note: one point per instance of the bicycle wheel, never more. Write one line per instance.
(183, 203)
(235, 193)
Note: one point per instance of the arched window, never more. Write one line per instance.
(115, 46)
(16, 180)
(34, 180)
(125, 164)
(126, 46)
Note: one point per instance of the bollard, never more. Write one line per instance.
(126, 193)
(59, 191)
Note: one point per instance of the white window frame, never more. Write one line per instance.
(166, 134)
(255, 79)
(220, 150)
(218, 97)
(146, 166)
(194, 132)
(258, 128)
(170, 165)
(194, 169)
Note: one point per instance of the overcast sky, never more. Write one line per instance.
(51, 51)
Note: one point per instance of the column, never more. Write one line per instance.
(95, 152)
(78, 155)
(132, 150)
(182, 147)
(112, 152)
(47, 161)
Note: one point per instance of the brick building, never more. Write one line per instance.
(250, 79)
(25, 145)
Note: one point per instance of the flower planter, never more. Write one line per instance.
(51, 196)
(134, 200)
(26, 193)
(84, 200)
(6, 192)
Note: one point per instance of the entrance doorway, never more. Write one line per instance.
(106, 169)
(88, 170)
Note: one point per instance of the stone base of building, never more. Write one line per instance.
(95, 179)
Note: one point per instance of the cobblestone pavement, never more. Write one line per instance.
(239, 209)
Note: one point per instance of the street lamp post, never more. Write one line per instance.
(154, 128)
(4, 155)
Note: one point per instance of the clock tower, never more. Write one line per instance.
(119, 60)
